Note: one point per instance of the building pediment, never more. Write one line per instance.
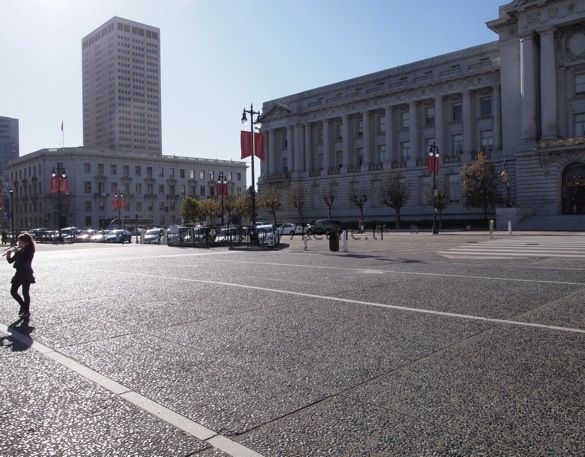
(276, 111)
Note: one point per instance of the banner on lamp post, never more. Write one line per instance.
(59, 185)
(433, 165)
(246, 139)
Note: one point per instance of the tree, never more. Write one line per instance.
(210, 208)
(297, 197)
(242, 203)
(359, 199)
(480, 184)
(270, 198)
(394, 191)
(190, 210)
(328, 195)
(439, 201)
(228, 206)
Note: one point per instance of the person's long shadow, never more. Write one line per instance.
(19, 339)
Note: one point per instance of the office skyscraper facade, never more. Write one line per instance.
(9, 147)
(121, 88)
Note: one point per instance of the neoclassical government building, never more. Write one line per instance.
(521, 99)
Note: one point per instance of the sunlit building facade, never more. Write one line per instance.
(121, 87)
(521, 99)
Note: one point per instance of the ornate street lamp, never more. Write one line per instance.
(119, 203)
(13, 239)
(506, 179)
(57, 184)
(222, 188)
(434, 169)
(253, 124)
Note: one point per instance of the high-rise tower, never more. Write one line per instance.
(121, 88)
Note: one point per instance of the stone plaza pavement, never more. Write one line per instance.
(411, 345)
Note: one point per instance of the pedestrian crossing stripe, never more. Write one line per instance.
(514, 248)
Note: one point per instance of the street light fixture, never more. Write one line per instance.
(506, 180)
(119, 203)
(57, 177)
(253, 124)
(222, 188)
(434, 168)
(13, 239)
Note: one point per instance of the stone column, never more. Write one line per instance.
(298, 149)
(308, 148)
(326, 146)
(439, 125)
(497, 126)
(413, 137)
(548, 84)
(367, 141)
(467, 123)
(271, 152)
(346, 141)
(289, 148)
(527, 90)
(390, 155)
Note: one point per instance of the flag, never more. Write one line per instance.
(246, 145)
(61, 125)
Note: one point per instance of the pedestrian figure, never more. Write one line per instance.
(22, 256)
(362, 226)
(4, 237)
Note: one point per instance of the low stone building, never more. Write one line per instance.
(103, 186)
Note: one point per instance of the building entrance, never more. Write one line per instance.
(573, 189)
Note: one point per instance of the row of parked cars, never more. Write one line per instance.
(76, 235)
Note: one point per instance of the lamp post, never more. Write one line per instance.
(253, 124)
(506, 180)
(58, 176)
(434, 158)
(120, 202)
(222, 183)
(12, 240)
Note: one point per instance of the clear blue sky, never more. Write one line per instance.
(218, 56)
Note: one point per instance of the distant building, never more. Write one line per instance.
(521, 99)
(9, 148)
(120, 174)
(121, 88)
(105, 186)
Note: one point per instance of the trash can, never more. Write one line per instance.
(333, 241)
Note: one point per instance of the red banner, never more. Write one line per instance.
(119, 204)
(246, 145)
(432, 165)
(222, 188)
(1, 200)
(59, 185)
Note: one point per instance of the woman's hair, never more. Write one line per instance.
(27, 239)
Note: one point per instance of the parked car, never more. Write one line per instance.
(228, 235)
(323, 226)
(85, 236)
(118, 236)
(267, 235)
(99, 236)
(153, 235)
(290, 229)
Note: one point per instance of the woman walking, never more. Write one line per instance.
(22, 256)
